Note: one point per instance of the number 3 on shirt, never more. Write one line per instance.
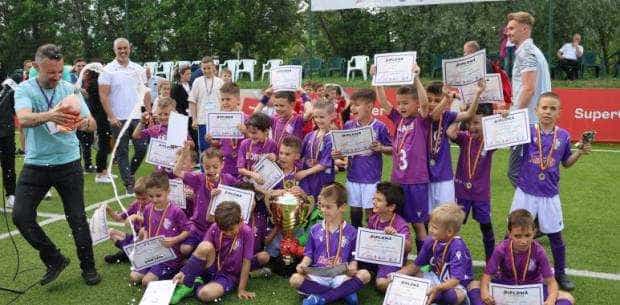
(402, 160)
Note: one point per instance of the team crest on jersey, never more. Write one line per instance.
(167, 224)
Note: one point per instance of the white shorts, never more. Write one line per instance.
(332, 282)
(548, 210)
(440, 193)
(360, 194)
(432, 276)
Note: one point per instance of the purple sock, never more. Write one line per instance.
(474, 297)
(447, 297)
(488, 238)
(192, 269)
(559, 252)
(348, 287)
(563, 302)
(418, 245)
(312, 287)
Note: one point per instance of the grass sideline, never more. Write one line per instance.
(588, 196)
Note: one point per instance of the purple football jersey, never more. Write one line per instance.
(317, 246)
(478, 186)
(368, 168)
(410, 149)
(500, 266)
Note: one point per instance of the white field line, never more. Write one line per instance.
(617, 151)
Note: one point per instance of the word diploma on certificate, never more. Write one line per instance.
(225, 125)
(149, 252)
(464, 70)
(377, 247)
(177, 193)
(244, 198)
(99, 226)
(162, 154)
(501, 132)
(406, 290)
(394, 69)
(352, 142)
(285, 78)
(271, 173)
(517, 295)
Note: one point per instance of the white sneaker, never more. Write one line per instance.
(103, 179)
(10, 201)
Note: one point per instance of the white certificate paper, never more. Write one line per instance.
(394, 69)
(99, 226)
(286, 78)
(148, 253)
(500, 132)
(244, 198)
(225, 125)
(158, 293)
(351, 142)
(177, 129)
(406, 290)
(162, 154)
(517, 295)
(177, 193)
(376, 247)
(493, 92)
(271, 173)
(465, 70)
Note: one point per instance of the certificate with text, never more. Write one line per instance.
(244, 198)
(517, 295)
(352, 142)
(406, 290)
(286, 78)
(464, 70)
(394, 69)
(271, 173)
(99, 226)
(501, 132)
(177, 193)
(158, 293)
(377, 247)
(225, 125)
(493, 92)
(161, 154)
(148, 253)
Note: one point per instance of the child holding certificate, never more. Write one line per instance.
(519, 260)
(161, 218)
(410, 150)
(441, 187)
(330, 244)
(222, 260)
(388, 201)
(448, 256)
(203, 185)
(318, 164)
(365, 171)
(137, 207)
(255, 146)
(473, 178)
(538, 183)
(156, 126)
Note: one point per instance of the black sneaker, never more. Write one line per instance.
(91, 277)
(565, 283)
(119, 257)
(90, 169)
(53, 272)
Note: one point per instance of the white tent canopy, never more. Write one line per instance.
(330, 5)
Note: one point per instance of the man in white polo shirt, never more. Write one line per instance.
(204, 97)
(118, 89)
(569, 55)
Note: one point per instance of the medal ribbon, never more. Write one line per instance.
(470, 172)
(442, 262)
(219, 254)
(434, 138)
(401, 143)
(282, 132)
(161, 221)
(544, 162)
(327, 237)
(514, 265)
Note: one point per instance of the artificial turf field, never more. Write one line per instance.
(590, 193)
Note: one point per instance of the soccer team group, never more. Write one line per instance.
(218, 253)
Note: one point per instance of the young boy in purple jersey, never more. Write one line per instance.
(285, 122)
(203, 184)
(155, 126)
(410, 150)
(161, 218)
(316, 152)
(448, 256)
(538, 183)
(330, 244)
(473, 177)
(255, 146)
(519, 260)
(441, 187)
(121, 238)
(229, 101)
(222, 259)
(388, 201)
(364, 171)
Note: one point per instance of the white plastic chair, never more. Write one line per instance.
(232, 65)
(272, 63)
(166, 69)
(248, 67)
(358, 63)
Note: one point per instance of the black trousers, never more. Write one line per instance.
(570, 67)
(7, 162)
(86, 142)
(68, 180)
(103, 140)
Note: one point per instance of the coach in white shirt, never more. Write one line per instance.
(118, 88)
(204, 97)
(569, 55)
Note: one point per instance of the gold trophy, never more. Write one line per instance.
(289, 212)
